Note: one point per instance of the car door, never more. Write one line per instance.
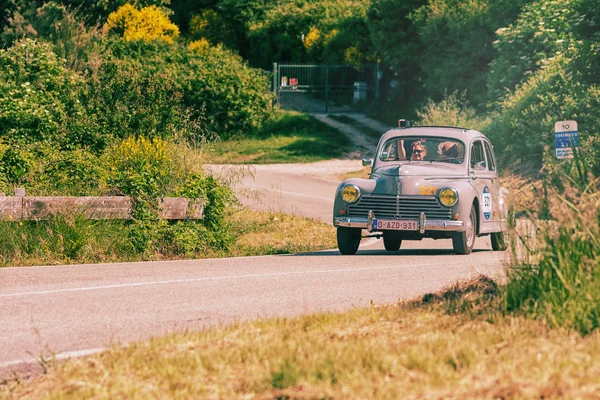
(483, 180)
(496, 207)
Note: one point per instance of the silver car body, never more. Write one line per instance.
(407, 190)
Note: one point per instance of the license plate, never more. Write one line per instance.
(395, 225)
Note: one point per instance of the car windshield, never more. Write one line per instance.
(423, 148)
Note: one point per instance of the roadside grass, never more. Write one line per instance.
(74, 239)
(453, 344)
(290, 137)
(277, 233)
(361, 173)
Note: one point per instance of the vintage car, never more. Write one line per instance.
(426, 182)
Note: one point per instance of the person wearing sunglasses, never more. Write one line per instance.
(418, 152)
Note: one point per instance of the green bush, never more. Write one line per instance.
(523, 128)
(141, 167)
(122, 100)
(270, 32)
(37, 94)
(233, 98)
(542, 30)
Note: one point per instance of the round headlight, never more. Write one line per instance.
(350, 193)
(448, 197)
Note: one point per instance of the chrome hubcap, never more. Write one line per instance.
(470, 231)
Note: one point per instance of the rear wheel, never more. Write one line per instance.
(463, 242)
(348, 240)
(392, 240)
(498, 241)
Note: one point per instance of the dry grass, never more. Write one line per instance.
(276, 233)
(525, 194)
(413, 350)
(361, 173)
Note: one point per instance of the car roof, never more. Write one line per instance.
(463, 134)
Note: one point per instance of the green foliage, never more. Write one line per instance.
(272, 31)
(37, 93)
(97, 11)
(453, 110)
(140, 167)
(559, 280)
(235, 98)
(456, 39)
(523, 129)
(124, 101)
(67, 238)
(542, 30)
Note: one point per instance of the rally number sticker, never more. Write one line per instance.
(487, 203)
(428, 190)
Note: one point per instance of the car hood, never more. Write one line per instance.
(420, 168)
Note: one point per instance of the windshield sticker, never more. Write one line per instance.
(487, 203)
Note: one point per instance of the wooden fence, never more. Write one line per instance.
(21, 208)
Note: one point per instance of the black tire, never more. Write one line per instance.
(392, 240)
(498, 241)
(463, 242)
(348, 240)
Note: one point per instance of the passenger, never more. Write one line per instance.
(400, 150)
(448, 151)
(418, 151)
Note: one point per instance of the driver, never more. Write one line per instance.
(418, 151)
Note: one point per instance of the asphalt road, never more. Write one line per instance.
(75, 310)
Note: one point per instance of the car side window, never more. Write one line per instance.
(490, 156)
(478, 162)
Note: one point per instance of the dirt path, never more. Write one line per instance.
(364, 144)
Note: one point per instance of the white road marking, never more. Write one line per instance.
(218, 278)
(59, 357)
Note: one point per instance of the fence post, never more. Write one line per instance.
(377, 102)
(275, 78)
(326, 88)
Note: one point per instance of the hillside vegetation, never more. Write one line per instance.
(122, 97)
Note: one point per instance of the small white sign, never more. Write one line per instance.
(566, 136)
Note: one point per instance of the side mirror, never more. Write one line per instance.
(366, 162)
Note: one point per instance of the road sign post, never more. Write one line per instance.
(566, 136)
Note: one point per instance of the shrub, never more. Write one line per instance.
(235, 98)
(542, 30)
(122, 100)
(37, 93)
(453, 110)
(523, 129)
(141, 167)
(272, 31)
(147, 24)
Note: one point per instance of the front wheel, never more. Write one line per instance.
(348, 240)
(498, 241)
(463, 242)
(392, 240)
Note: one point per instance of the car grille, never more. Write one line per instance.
(403, 207)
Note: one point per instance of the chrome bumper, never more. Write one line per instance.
(424, 225)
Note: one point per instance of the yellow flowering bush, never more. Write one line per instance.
(147, 24)
(199, 45)
(312, 38)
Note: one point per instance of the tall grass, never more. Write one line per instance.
(557, 277)
(65, 239)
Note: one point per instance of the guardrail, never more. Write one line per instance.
(33, 208)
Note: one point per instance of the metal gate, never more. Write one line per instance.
(326, 88)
